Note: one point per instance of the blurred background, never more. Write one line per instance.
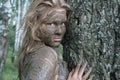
(11, 15)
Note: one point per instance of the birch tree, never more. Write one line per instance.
(93, 36)
(21, 8)
(4, 33)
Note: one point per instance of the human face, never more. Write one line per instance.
(55, 29)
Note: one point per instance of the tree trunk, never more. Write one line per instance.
(4, 34)
(22, 8)
(93, 36)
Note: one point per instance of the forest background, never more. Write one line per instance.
(93, 36)
(11, 15)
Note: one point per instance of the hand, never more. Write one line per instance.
(56, 73)
(77, 74)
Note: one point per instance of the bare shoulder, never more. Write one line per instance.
(47, 53)
(40, 64)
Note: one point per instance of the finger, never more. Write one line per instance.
(56, 73)
(56, 77)
(82, 70)
(87, 74)
(91, 77)
(70, 74)
(75, 74)
(56, 70)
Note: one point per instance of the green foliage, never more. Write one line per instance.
(12, 35)
(11, 70)
(2, 1)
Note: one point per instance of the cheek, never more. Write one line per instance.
(50, 29)
(64, 30)
(47, 30)
(44, 33)
(48, 34)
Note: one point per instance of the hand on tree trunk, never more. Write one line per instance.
(77, 73)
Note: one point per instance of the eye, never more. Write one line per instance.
(63, 23)
(52, 24)
(48, 23)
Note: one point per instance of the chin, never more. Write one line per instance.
(56, 45)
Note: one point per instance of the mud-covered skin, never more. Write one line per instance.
(44, 24)
(36, 66)
(41, 65)
(63, 71)
(55, 28)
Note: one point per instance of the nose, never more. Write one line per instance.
(58, 30)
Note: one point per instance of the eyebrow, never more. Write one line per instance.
(56, 11)
(57, 21)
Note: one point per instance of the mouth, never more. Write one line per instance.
(57, 39)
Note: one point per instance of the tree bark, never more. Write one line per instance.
(93, 36)
(4, 34)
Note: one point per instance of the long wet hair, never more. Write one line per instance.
(32, 24)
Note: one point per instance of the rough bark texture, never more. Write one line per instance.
(93, 35)
(4, 36)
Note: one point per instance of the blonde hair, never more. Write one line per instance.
(35, 16)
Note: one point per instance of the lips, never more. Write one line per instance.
(57, 39)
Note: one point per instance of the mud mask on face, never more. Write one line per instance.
(55, 28)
